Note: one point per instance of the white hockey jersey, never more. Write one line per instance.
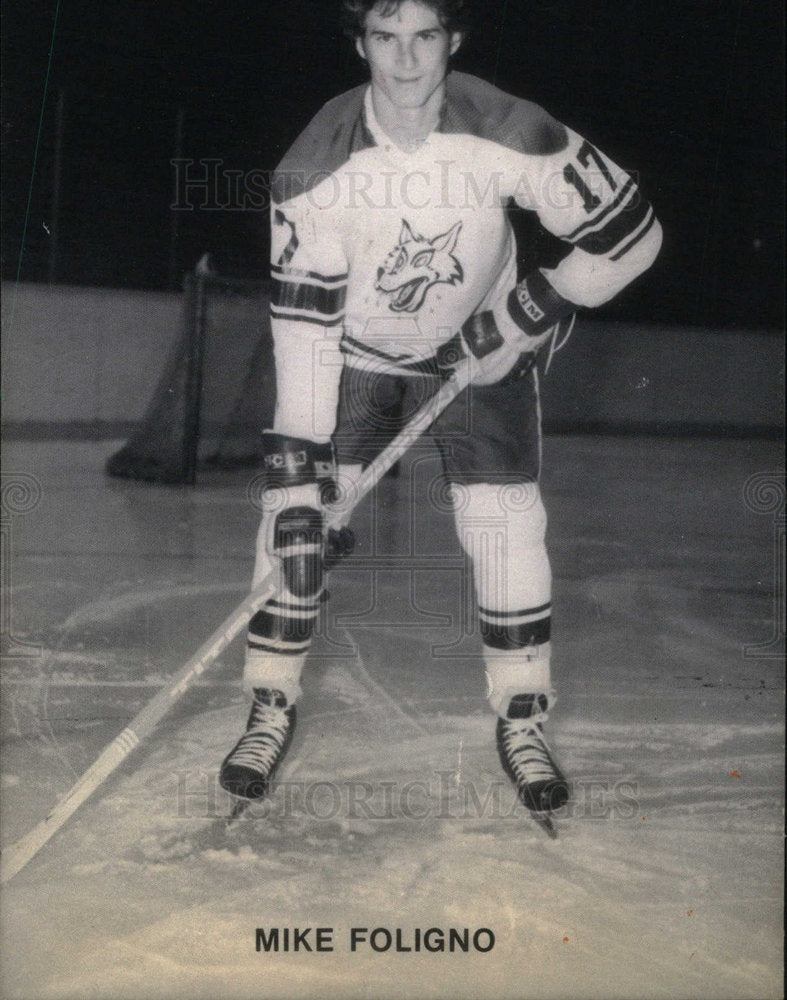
(379, 256)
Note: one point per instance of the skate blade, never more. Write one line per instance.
(237, 809)
(546, 824)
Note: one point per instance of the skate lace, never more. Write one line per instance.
(527, 750)
(260, 746)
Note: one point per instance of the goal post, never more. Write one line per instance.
(217, 390)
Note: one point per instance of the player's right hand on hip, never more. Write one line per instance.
(503, 342)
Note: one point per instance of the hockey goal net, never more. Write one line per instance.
(217, 390)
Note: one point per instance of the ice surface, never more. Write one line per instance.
(392, 810)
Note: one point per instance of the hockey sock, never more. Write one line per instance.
(503, 528)
(278, 641)
(298, 472)
(514, 672)
(267, 673)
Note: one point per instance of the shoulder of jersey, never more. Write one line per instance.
(331, 137)
(478, 108)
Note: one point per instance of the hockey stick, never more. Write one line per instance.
(17, 855)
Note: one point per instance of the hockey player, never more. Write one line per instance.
(392, 256)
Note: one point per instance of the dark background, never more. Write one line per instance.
(688, 94)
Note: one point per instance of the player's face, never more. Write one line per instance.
(407, 52)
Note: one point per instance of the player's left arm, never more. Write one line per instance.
(583, 197)
(598, 208)
(595, 206)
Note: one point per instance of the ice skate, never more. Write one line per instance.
(527, 759)
(248, 768)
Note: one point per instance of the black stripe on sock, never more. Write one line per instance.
(267, 626)
(516, 636)
(489, 612)
(276, 649)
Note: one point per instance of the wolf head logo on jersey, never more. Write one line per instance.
(415, 264)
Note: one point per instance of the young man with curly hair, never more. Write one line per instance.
(392, 256)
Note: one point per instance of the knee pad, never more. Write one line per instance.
(297, 540)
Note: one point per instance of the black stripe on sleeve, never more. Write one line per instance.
(294, 317)
(632, 243)
(314, 298)
(622, 196)
(616, 230)
(290, 273)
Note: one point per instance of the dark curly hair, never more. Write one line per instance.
(454, 15)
